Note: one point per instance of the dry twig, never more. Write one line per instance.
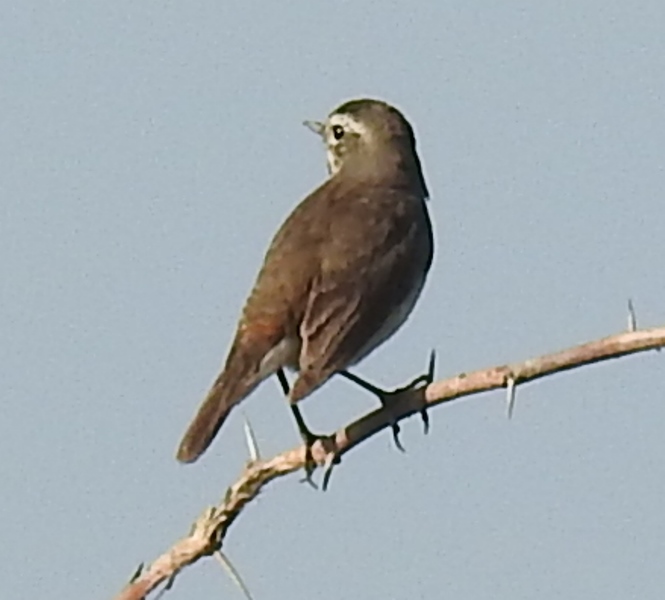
(211, 527)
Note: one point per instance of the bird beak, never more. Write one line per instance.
(316, 126)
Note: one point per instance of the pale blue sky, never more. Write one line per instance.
(150, 149)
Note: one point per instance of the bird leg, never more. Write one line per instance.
(307, 436)
(385, 396)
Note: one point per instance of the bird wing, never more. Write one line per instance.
(373, 265)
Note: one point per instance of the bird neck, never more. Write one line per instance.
(390, 169)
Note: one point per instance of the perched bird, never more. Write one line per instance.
(341, 275)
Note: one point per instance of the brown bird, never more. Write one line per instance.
(341, 275)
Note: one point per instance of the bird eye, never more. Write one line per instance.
(338, 132)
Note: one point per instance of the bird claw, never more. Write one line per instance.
(310, 467)
(396, 431)
(332, 460)
(427, 379)
(424, 415)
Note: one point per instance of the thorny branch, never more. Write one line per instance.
(211, 527)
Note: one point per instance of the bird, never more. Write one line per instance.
(341, 275)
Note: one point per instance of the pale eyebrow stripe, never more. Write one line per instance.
(347, 122)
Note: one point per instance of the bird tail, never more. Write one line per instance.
(239, 377)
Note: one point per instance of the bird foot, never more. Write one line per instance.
(387, 397)
(332, 458)
(309, 439)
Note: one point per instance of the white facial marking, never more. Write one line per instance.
(350, 127)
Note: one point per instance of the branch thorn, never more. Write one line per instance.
(632, 318)
(233, 573)
(510, 396)
(250, 439)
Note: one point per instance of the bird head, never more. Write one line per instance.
(370, 139)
